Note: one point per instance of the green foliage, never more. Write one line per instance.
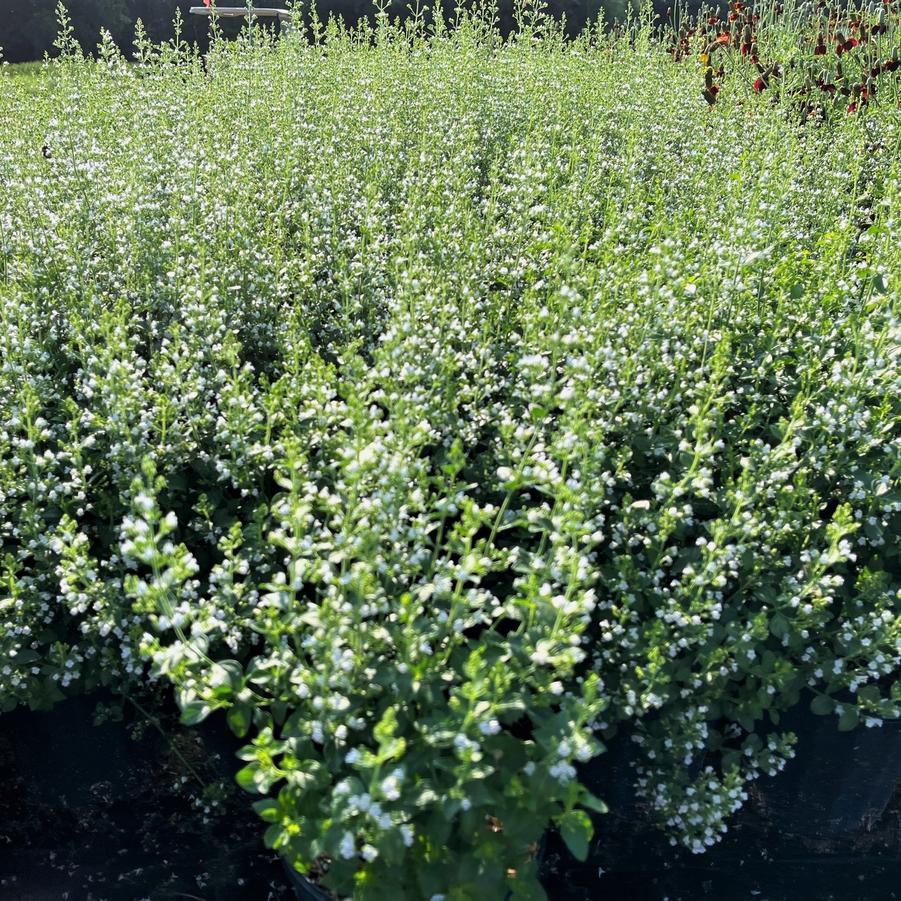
(435, 407)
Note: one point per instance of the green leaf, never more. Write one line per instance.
(779, 625)
(821, 705)
(226, 677)
(527, 888)
(269, 810)
(238, 719)
(588, 800)
(273, 836)
(392, 750)
(279, 709)
(473, 664)
(576, 829)
(869, 694)
(257, 779)
(391, 846)
(195, 712)
(386, 727)
(849, 719)
(246, 777)
(731, 760)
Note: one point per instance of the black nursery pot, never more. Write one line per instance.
(828, 821)
(309, 891)
(93, 811)
(303, 888)
(839, 783)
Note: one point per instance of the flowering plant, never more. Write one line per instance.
(817, 83)
(434, 442)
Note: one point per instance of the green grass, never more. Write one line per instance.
(438, 407)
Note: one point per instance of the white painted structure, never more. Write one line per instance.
(235, 12)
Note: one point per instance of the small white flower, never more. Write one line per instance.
(347, 849)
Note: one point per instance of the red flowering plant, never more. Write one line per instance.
(761, 46)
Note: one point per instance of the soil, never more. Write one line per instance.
(90, 812)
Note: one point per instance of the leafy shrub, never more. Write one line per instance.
(768, 49)
(437, 408)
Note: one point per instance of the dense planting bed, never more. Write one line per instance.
(441, 408)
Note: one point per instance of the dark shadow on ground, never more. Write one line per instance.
(90, 812)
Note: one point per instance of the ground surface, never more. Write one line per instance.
(91, 813)
(99, 816)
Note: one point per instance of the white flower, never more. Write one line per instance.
(390, 788)
(347, 849)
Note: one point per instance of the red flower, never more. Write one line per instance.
(759, 85)
(745, 49)
(852, 107)
(723, 38)
(712, 20)
(207, 3)
(851, 43)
